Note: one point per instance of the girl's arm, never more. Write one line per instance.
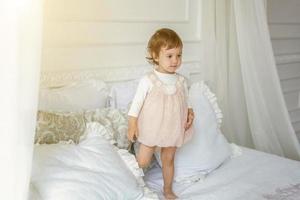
(139, 97)
(190, 119)
(135, 108)
(190, 115)
(132, 133)
(186, 91)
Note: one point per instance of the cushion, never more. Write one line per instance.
(121, 94)
(91, 170)
(208, 148)
(54, 127)
(132, 164)
(114, 120)
(78, 96)
(97, 129)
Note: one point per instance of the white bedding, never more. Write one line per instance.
(92, 170)
(75, 172)
(252, 176)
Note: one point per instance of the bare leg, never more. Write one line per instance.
(145, 155)
(167, 158)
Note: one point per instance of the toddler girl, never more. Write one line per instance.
(160, 115)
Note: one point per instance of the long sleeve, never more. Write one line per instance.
(186, 90)
(143, 87)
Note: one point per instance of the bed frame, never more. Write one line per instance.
(191, 70)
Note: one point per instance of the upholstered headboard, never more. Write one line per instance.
(115, 74)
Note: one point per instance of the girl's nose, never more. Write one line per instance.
(175, 60)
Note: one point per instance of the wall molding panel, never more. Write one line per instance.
(118, 11)
(285, 31)
(80, 34)
(287, 58)
(284, 25)
(285, 12)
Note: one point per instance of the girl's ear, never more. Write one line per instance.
(155, 57)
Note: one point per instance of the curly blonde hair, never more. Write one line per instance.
(162, 38)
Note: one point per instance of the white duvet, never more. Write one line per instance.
(92, 170)
(252, 176)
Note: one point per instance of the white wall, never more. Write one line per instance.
(91, 34)
(284, 23)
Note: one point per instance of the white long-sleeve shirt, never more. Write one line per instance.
(145, 85)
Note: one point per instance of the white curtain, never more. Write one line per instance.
(240, 66)
(20, 55)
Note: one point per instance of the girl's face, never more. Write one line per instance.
(169, 60)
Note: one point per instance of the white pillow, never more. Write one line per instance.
(208, 148)
(78, 96)
(96, 129)
(121, 94)
(114, 120)
(91, 170)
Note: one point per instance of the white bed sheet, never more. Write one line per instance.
(253, 175)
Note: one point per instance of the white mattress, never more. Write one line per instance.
(253, 175)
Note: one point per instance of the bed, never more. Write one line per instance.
(81, 150)
(253, 175)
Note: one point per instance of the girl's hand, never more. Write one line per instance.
(132, 133)
(190, 119)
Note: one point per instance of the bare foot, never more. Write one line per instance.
(169, 194)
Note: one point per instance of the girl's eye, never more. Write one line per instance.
(169, 56)
(179, 56)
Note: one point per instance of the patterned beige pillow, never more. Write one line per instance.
(54, 127)
(115, 122)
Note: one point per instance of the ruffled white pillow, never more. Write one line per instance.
(91, 170)
(208, 148)
(115, 122)
(132, 164)
(97, 129)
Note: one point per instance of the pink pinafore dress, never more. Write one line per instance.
(163, 116)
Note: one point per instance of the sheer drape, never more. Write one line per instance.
(240, 65)
(20, 54)
(222, 69)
